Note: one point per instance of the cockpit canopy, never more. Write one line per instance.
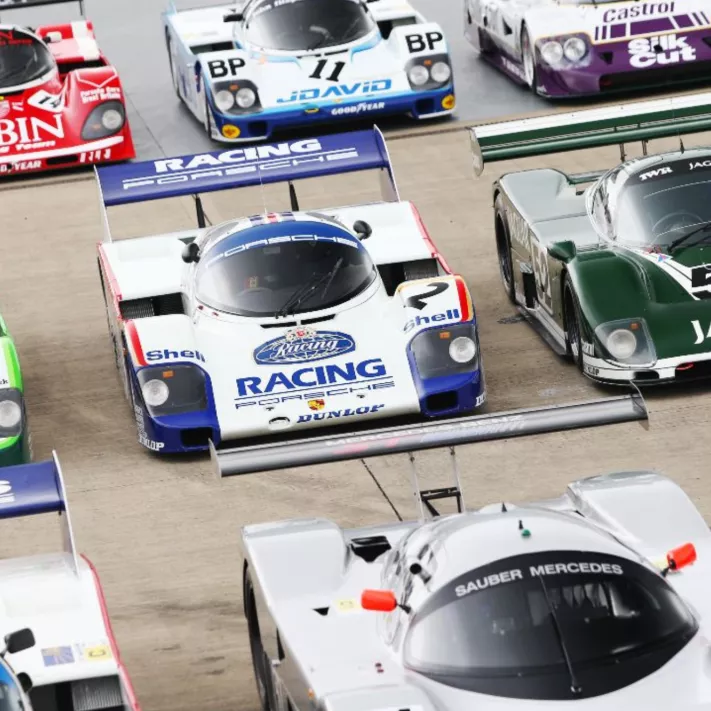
(505, 628)
(282, 268)
(23, 58)
(301, 25)
(653, 202)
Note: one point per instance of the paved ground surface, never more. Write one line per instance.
(164, 534)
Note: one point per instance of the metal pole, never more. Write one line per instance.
(416, 485)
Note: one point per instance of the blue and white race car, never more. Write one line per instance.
(280, 324)
(270, 64)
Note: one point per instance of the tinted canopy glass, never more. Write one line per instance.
(491, 630)
(294, 267)
(298, 25)
(23, 58)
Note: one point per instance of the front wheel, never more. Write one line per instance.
(171, 62)
(528, 60)
(503, 249)
(573, 324)
(260, 661)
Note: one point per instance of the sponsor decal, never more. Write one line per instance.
(143, 438)
(423, 42)
(30, 132)
(449, 315)
(340, 91)
(150, 444)
(311, 377)
(349, 412)
(54, 656)
(666, 170)
(518, 229)
(419, 301)
(95, 156)
(104, 93)
(644, 9)
(239, 156)
(93, 652)
(313, 346)
(700, 337)
(536, 571)
(701, 276)
(316, 404)
(4, 108)
(10, 38)
(20, 166)
(480, 400)
(167, 354)
(269, 403)
(227, 68)
(7, 496)
(700, 164)
(591, 370)
(361, 108)
(512, 68)
(660, 49)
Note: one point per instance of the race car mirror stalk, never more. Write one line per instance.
(191, 253)
(18, 641)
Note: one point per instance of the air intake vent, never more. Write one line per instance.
(94, 694)
(369, 548)
(153, 306)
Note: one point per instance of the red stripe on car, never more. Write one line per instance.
(133, 337)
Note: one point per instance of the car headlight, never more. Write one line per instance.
(245, 98)
(224, 100)
(449, 350)
(627, 341)
(441, 72)
(574, 49)
(10, 412)
(173, 389)
(155, 392)
(104, 120)
(462, 349)
(552, 52)
(418, 75)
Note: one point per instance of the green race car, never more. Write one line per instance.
(15, 445)
(612, 268)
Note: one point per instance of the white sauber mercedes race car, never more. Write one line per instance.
(249, 69)
(66, 658)
(592, 600)
(280, 323)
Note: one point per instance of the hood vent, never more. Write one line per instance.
(292, 324)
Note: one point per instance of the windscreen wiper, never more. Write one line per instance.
(306, 290)
(575, 688)
(680, 240)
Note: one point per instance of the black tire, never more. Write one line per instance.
(503, 249)
(208, 123)
(573, 324)
(173, 76)
(528, 61)
(260, 662)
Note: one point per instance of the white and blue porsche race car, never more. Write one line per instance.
(281, 323)
(246, 71)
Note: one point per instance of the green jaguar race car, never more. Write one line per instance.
(612, 268)
(15, 444)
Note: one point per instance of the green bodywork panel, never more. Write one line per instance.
(543, 208)
(15, 449)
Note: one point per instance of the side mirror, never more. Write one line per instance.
(563, 251)
(362, 229)
(235, 16)
(191, 253)
(19, 641)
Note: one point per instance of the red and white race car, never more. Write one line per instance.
(61, 102)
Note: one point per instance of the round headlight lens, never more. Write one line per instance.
(224, 100)
(246, 98)
(418, 75)
(10, 414)
(441, 72)
(574, 49)
(111, 120)
(462, 349)
(621, 344)
(155, 392)
(552, 52)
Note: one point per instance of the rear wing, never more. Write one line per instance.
(610, 125)
(261, 164)
(38, 488)
(21, 4)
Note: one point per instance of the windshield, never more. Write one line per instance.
(663, 202)
(272, 269)
(22, 58)
(10, 698)
(491, 629)
(299, 25)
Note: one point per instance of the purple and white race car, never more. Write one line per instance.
(571, 48)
